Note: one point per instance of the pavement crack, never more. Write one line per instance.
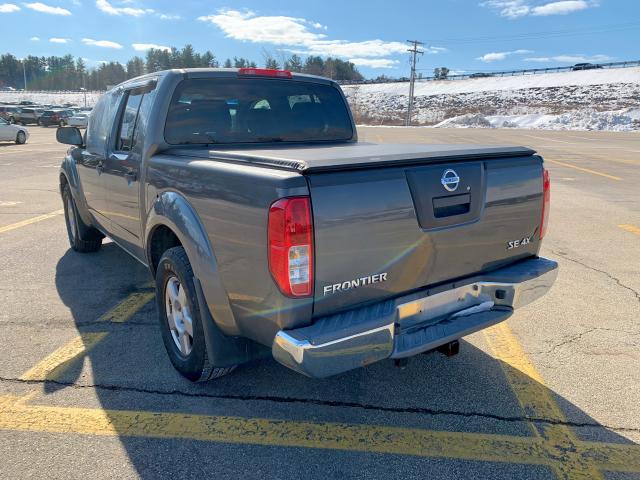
(324, 403)
(611, 277)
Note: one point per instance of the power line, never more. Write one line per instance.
(541, 34)
(414, 54)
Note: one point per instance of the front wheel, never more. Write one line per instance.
(180, 319)
(21, 138)
(83, 238)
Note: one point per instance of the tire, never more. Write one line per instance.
(21, 138)
(62, 123)
(12, 120)
(174, 270)
(83, 238)
(40, 124)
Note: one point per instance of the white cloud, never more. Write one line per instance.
(306, 36)
(167, 16)
(498, 56)
(374, 62)
(278, 30)
(9, 8)
(44, 8)
(101, 43)
(521, 8)
(58, 40)
(108, 8)
(35, 39)
(560, 8)
(571, 58)
(143, 47)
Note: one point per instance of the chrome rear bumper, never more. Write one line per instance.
(415, 323)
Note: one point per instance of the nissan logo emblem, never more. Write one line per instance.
(450, 180)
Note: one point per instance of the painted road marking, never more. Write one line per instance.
(9, 204)
(52, 367)
(16, 416)
(126, 309)
(582, 169)
(630, 228)
(537, 401)
(29, 221)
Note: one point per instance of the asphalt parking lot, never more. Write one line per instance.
(87, 391)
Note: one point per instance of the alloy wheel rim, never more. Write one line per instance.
(179, 316)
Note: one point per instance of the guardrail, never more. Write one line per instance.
(508, 73)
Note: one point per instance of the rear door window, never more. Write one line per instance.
(126, 129)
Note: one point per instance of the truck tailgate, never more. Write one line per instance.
(393, 228)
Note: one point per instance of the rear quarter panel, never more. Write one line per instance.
(232, 203)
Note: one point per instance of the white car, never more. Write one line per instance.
(12, 133)
(79, 120)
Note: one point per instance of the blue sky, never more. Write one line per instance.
(464, 35)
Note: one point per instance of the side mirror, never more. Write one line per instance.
(69, 136)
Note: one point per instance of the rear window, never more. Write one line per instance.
(255, 110)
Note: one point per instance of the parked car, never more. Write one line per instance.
(80, 120)
(7, 89)
(270, 230)
(26, 102)
(55, 117)
(585, 66)
(8, 113)
(481, 75)
(28, 115)
(13, 133)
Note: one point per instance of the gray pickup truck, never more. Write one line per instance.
(271, 231)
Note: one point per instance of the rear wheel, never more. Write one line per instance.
(180, 319)
(21, 138)
(83, 238)
(12, 120)
(62, 123)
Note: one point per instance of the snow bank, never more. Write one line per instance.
(624, 120)
(545, 80)
(47, 98)
(591, 99)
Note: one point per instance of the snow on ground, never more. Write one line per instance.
(624, 120)
(50, 98)
(591, 99)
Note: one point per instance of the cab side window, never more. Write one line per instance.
(125, 140)
(101, 121)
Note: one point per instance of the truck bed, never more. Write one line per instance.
(351, 156)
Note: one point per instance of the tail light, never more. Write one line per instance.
(291, 246)
(546, 194)
(265, 72)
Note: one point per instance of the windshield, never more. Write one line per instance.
(256, 110)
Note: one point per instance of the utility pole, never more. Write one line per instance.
(414, 53)
(24, 73)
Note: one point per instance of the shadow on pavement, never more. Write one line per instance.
(466, 393)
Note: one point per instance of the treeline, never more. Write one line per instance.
(70, 73)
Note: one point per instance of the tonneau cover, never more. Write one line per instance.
(311, 159)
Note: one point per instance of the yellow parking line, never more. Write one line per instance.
(537, 401)
(52, 367)
(29, 221)
(587, 170)
(16, 416)
(126, 309)
(630, 228)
